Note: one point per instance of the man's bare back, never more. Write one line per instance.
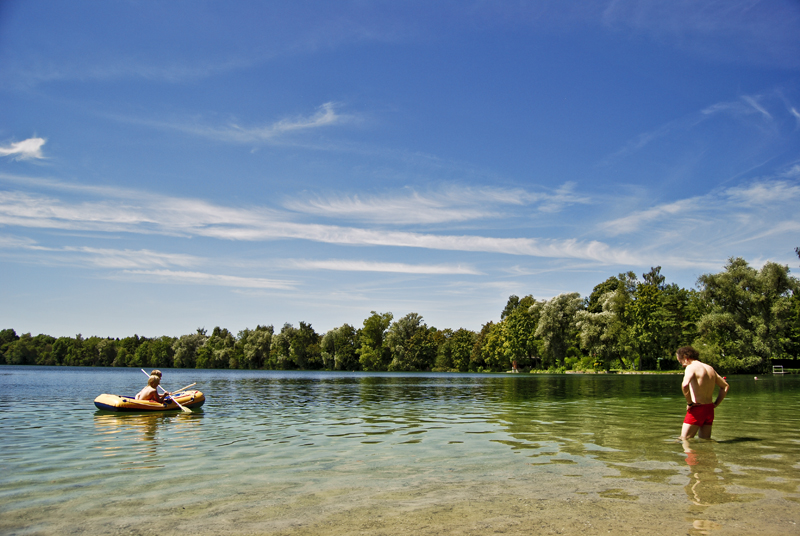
(700, 380)
(698, 389)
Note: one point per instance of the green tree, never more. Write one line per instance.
(129, 345)
(646, 318)
(511, 305)
(519, 331)
(444, 351)
(281, 351)
(462, 342)
(793, 343)
(493, 349)
(74, 352)
(749, 317)
(219, 350)
(7, 336)
(411, 344)
(44, 349)
(603, 334)
(121, 360)
(681, 309)
(304, 348)
(600, 292)
(339, 347)
(373, 354)
(161, 352)
(254, 346)
(185, 350)
(454, 349)
(106, 352)
(21, 351)
(556, 325)
(61, 349)
(141, 357)
(477, 358)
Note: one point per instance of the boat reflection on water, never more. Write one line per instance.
(142, 434)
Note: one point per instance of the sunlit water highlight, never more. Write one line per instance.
(338, 453)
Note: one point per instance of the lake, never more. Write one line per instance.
(363, 453)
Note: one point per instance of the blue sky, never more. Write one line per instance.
(166, 166)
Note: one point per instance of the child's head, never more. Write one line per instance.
(156, 372)
(153, 381)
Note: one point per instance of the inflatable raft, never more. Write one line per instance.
(187, 399)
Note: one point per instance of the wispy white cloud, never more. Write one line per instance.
(709, 228)
(24, 150)
(411, 208)
(641, 141)
(104, 257)
(743, 108)
(761, 33)
(764, 193)
(16, 242)
(565, 195)
(748, 106)
(325, 116)
(752, 101)
(792, 172)
(36, 71)
(795, 113)
(191, 217)
(127, 258)
(450, 204)
(396, 267)
(142, 264)
(637, 220)
(201, 278)
(718, 218)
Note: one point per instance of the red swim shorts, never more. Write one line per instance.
(700, 414)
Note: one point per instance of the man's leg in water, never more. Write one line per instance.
(689, 430)
(705, 432)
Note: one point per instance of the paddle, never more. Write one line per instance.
(182, 388)
(183, 409)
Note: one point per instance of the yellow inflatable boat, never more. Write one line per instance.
(187, 399)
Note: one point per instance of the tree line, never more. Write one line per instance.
(741, 319)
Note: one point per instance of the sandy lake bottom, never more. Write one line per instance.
(327, 453)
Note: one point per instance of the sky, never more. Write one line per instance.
(169, 166)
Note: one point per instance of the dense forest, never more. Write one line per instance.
(741, 319)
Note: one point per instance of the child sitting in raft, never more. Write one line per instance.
(150, 391)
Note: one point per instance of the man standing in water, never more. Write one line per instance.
(698, 388)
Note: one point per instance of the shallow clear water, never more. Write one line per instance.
(300, 452)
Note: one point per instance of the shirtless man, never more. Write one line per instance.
(698, 388)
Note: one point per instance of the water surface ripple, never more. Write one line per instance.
(337, 453)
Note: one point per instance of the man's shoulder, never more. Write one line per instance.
(694, 365)
(705, 369)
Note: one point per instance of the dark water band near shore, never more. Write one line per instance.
(333, 453)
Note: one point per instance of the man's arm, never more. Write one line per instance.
(688, 376)
(723, 389)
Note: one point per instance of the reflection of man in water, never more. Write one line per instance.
(698, 388)
(706, 486)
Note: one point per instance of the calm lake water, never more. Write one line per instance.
(360, 453)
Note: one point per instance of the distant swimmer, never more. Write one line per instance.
(698, 388)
